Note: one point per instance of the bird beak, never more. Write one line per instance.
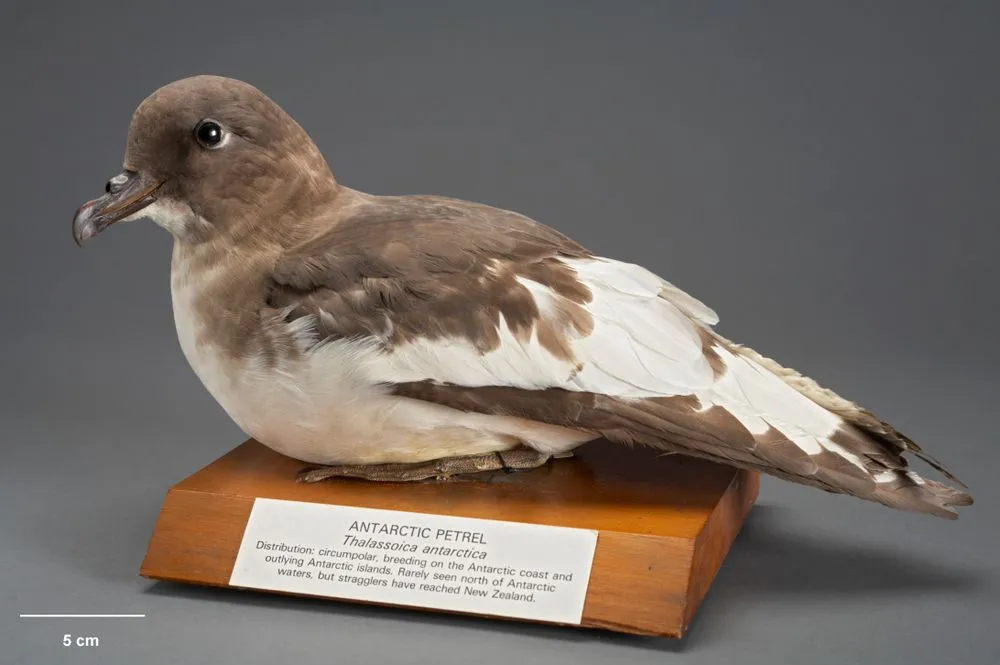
(127, 193)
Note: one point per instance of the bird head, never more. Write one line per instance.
(207, 156)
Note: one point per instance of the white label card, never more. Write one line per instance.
(462, 564)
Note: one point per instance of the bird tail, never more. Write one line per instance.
(763, 416)
(756, 414)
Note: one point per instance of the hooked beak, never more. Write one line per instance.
(127, 193)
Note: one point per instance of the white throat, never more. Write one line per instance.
(175, 216)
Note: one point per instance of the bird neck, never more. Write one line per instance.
(284, 221)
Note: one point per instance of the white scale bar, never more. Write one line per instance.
(83, 616)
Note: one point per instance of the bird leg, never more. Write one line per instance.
(440, 469)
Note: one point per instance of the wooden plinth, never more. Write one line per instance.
(665, 523)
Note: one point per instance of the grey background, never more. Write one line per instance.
(823, 174)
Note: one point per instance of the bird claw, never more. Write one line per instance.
(445, 469)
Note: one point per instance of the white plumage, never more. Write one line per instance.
(642, 344)
(645, 343)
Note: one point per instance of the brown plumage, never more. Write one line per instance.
(399, 268)
(344, 328)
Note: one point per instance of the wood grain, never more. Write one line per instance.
(665, 523)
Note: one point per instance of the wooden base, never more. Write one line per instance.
(665, 523)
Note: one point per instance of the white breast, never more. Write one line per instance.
(283, 405)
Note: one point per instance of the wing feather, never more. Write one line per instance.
(485, 310)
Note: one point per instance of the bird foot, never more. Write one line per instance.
(440, 469)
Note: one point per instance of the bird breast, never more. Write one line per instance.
(315, 404)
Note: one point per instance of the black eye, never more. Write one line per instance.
(209, 134)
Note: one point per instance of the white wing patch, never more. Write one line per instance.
(642, 345)
(647, 342)
(758, 399)
(634, 280)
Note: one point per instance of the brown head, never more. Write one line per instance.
(210, 157)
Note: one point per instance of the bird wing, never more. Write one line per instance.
(485, 310)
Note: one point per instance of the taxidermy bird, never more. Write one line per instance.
(407, 337)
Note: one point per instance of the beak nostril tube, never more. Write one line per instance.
(115, 185)
(125, 194)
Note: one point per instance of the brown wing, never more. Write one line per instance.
(677, 424)
(424, 267)
(403, 267)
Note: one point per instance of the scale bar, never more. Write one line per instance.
(83, 616)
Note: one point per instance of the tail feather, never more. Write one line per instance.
(707, 433)
(908, 491)
(808, 434)
(756, 415)
(849, 411)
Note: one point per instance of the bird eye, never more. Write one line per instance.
(209, 134)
